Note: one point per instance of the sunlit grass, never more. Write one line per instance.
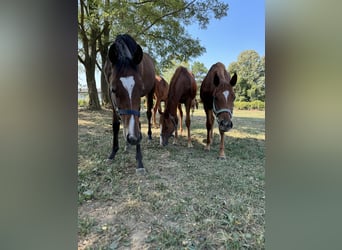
(188, 200)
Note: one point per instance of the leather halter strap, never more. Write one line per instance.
(217, 112)
(129, 112)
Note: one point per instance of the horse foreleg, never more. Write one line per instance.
(181, 117)
(188, 123)
(149, 114)
(209, 125)
(116, 128)
(140, 166)
(222, 154)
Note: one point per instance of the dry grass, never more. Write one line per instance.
(188, 200)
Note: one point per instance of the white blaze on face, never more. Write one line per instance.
(128, 83)
(131, 126)
(226, 94)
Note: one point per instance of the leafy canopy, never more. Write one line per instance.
(250, 68)
(158, 25)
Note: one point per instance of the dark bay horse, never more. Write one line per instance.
(218, 97)
(160, 94)
(182, 90)
(130, 75)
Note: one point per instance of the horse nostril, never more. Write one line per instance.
(226, 125)
(132, 140)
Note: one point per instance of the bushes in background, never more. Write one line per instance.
(259, 105)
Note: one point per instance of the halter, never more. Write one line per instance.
(217, 112)
(124, 111)
(129, 112)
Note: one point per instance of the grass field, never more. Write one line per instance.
(189, 199)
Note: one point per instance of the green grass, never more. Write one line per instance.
(189, 199)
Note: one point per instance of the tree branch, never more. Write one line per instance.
(98, 66)
(167, 14)
(81, 60)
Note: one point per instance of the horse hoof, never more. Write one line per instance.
(140, 171)
(190, 145)
(109, 161)
(221, 157)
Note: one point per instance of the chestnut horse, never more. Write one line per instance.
(160, 94)
(130, 76)
(218, 97)
(182, 90)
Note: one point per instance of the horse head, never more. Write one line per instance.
(168, 125)
(223, 101)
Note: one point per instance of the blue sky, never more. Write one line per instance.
(242, 29)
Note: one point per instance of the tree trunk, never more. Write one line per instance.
(103, 47)
(94, 102)
(104, 92)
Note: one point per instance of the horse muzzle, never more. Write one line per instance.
(134, 140)
(225, 125)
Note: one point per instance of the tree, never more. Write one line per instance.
(251, 76)
(200, 71)
(89, 32)
(159, 26)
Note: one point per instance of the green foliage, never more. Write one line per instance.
(159, 26)
(199, 70)
(254, 105)
(83, 102)
(168, 73)
(250, 68)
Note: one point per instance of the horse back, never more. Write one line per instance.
(147, 72)
(183, 85)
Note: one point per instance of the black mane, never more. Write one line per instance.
(125, 47)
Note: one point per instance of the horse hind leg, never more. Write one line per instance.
(156, 106)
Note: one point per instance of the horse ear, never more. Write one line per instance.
(113, 54)
(216, 80)
(138, 55)
(233, 80)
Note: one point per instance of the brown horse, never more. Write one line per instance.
(218, 97)
(160, 94)
(182, 90)
(130, 76)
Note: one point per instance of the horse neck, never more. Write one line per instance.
(171, 105)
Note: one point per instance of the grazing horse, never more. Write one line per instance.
(130, 75)
(182, 90)
(218, 97)
(160, 93)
